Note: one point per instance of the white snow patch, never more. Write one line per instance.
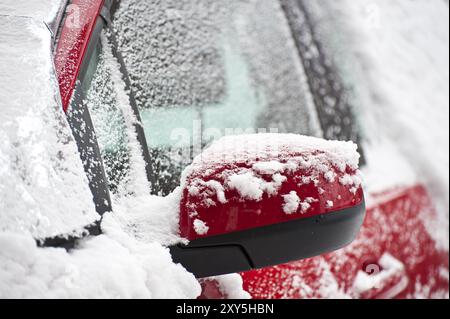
(108, 266)
(200, 227)
(330, 176)
(248, 185)
(150, 219)
(305, 206)
(252, 187)
(231, 286)
(267, 148)
(40, 10)
(43, 188)
(390, 266)
(218, 189)
(269, 168)
(350, 180)
(291, 203)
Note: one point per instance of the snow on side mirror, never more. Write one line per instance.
(252, 201)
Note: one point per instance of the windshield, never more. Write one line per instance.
(202, 69)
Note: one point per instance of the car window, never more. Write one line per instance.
(109, 122)
(105, 99)
(202, 69)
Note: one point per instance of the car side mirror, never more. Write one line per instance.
(253, 201)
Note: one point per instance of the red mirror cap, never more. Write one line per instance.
(249, 181)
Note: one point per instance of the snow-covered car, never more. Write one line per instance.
(161, 101)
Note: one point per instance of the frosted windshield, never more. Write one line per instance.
(211, 68)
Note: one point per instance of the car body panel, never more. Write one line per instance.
(418, 268)
(73, 42)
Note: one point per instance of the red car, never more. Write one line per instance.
(240, 66)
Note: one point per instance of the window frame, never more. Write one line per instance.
(86, 139)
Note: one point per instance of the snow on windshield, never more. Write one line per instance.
(229, 65)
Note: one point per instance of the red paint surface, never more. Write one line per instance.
(72, 44)
(237, 215)
(394, 225)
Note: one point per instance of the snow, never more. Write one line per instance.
(43, 191)
(330, 176)
(200, 227)
(291, 203)
(248, 185)
(257, 164)
(388, 267)
(231, 286)
(354, 181)
(318, 153)
(150, 219)
(269, 168)
(108, 266)
(218, 189)
(305, 206)
(394, 55)
(43, 10)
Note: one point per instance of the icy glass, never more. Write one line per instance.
(108, 121)
(202, 68)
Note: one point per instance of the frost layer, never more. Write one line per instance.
(232, 64)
